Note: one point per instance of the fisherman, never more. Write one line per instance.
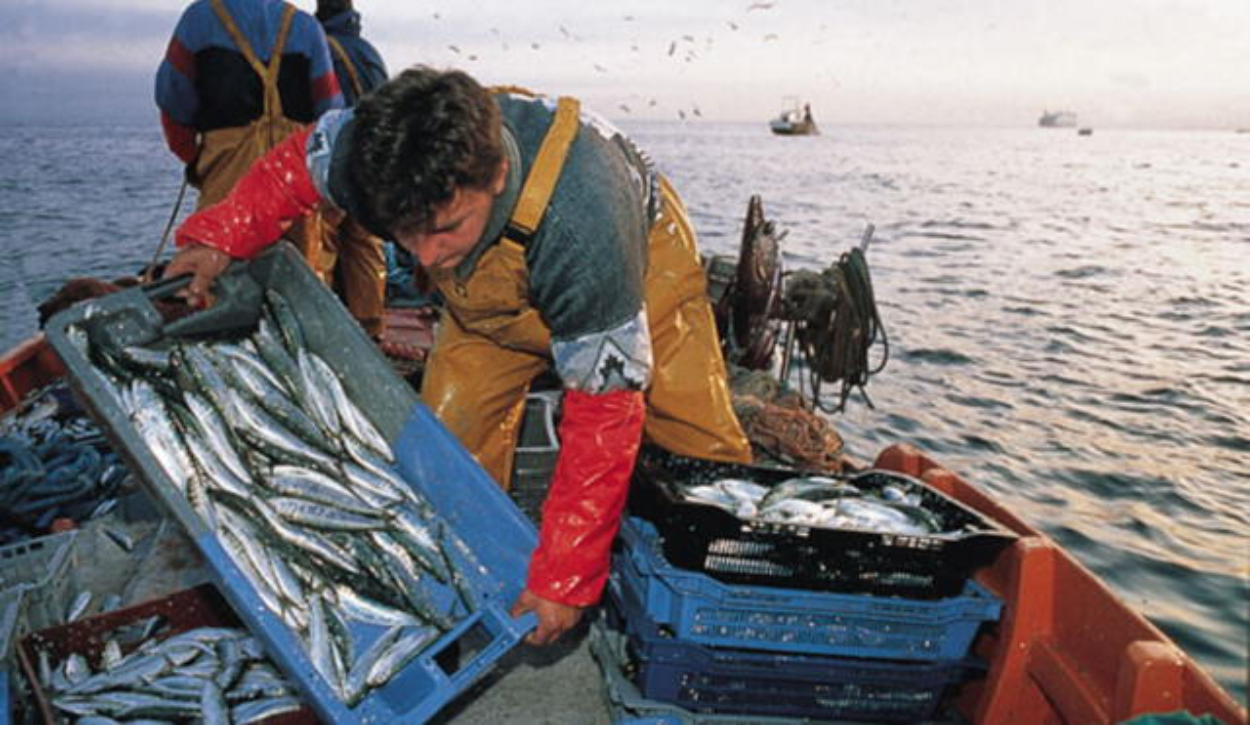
(358, 256)
(552, 241)
(238, 77)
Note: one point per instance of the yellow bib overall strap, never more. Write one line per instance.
(353, 76)
(226, 154)
(541, 182)
(493, 302)
(268, 74)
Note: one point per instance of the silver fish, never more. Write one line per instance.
(410, 644)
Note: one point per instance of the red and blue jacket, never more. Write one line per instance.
(205, 83)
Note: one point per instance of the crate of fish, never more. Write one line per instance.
(351, 532)
(184, 658)
(695, 607)
(873, 532)
(751, 682)
(627, 705)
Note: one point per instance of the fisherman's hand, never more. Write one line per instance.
(554, 618)
(204, 264)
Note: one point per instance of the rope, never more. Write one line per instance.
(840, 327)
(169, 226)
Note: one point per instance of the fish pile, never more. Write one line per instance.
(210, 676)
(260, 438)
(821, 502)
(54, 463)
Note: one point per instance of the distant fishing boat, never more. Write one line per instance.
(1057, 119)
(795, 119)
(1085, 131)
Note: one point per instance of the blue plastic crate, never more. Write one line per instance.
(699, 609)
(6, 705)
(626, 705)
(430, 459)
(738, 681)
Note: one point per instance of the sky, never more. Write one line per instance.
(1116, 63)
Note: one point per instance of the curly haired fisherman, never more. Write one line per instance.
(552, 242)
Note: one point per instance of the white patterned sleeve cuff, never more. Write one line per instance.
(618, 359)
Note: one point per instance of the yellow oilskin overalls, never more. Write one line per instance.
(352, 256)
(494, 342)
(227, 153)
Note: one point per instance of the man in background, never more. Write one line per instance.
(359, 258)
(237, 78)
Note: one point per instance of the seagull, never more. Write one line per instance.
(672, 47)
(601, 69)
(454, 48)
(759, 6)
(732, 25)
(624, 108)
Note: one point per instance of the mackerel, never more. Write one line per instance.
(284, 318)
(215, 431)
(307, 484)
(358, 677)
(268, 435)
(325, 517)
(358, 607)
(310, 542)
(316, 392)
(276, 356)
(411, 642)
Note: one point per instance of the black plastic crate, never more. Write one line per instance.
(752, 682)
(710, 539)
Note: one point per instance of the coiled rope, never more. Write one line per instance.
(839, 325)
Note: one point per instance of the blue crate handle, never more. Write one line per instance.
(235, 307)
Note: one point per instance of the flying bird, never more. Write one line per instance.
(601, 69)
(624, 108)
(454, 48)
(672, 47)
(759, 6)
(732, 25)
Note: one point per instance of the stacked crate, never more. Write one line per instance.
(761, 639)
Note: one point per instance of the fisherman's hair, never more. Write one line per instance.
(327, 9)
(418, 138)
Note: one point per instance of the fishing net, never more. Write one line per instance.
(780, 425)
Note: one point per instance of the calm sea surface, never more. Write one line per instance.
(1069, 318)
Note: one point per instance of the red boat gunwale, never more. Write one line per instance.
(1048, 655)
(27, 367)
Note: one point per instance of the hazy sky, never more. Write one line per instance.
(1135, 63)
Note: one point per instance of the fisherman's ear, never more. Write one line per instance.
(501, 178)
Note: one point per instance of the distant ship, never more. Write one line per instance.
(795, 119)
(1059, 119)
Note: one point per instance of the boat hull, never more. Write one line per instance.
(1067, 650)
